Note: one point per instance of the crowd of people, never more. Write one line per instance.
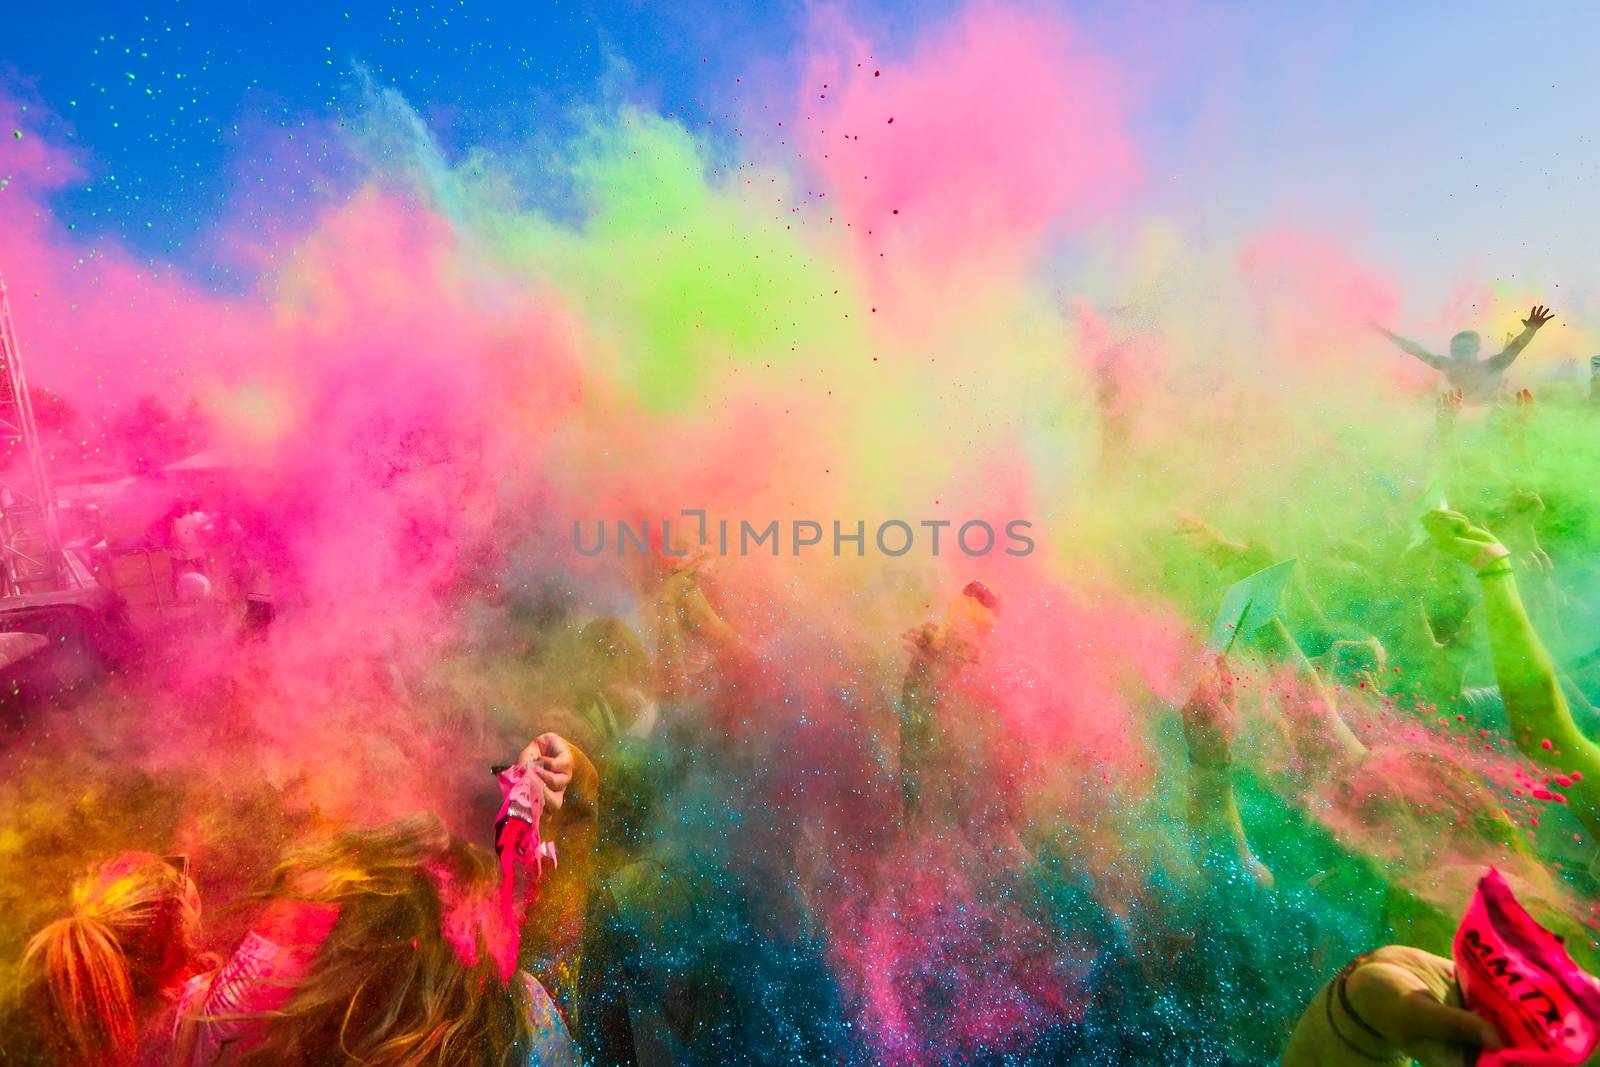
(1299, 909)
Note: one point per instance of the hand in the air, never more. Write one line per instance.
(924, 642)
(551, 758)
(1516, 521)
(1538, 317)
(1206, 539)
(1453, 534)
(939, 646)
(1210, 716)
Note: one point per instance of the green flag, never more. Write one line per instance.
(1248, 605)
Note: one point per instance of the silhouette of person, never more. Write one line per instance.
(1478, 380)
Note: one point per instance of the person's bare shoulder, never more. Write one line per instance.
(1311, 1044)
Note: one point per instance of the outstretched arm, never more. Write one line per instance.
(1530, 326)
(1320, 736)
(1319, 733)
(1541, 721)
(682, 609)
(1412, 348)
(917, 712)
(1210, 721)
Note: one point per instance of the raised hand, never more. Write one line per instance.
(1516, 519)
(1537, 317)
(1524, 504)
(1210, 724)
(551, 758)
(1210, 717)
(1207, 539)
(936, 645)
(924, 642)
(1453, 534)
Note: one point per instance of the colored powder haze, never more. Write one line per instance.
(856, 265)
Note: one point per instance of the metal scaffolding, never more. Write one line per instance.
(30, 541)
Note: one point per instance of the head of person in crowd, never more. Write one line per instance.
(1357, 664)
(94, 979)
(1466, 346)
(414, 969)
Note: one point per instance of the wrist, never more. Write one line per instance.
(1207, 752)
(1491, 557)
(1499, 569)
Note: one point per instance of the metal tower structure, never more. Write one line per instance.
(30, 541)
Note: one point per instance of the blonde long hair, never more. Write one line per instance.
(408, 975)
(128, 937)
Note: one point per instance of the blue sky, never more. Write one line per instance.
(164, 96)
(1456, 139)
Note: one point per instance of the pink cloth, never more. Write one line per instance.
(517, 837)
(258, 978)
(260, 975)
(1516, 974)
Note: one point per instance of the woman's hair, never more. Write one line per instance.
(410, 973)
(129, 935)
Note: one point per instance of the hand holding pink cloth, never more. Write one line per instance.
(1516, 974)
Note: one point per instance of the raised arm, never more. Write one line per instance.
(1210, 721)
(1540, 719)
(571, 820)
(917, 712)
(1411, 348)
(1530, 326)
(682, 611)
(1319, 733)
